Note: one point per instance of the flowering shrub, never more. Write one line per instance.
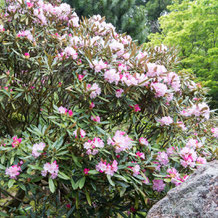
(92, 124)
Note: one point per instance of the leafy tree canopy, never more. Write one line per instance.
(193, 27)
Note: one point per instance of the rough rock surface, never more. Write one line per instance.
(195, 198)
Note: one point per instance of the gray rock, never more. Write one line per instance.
(195, 198)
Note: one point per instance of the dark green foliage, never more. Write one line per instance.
(126, 16)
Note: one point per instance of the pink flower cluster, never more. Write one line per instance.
(16, 141)
(96, 119)
(189, 155)
(162, 157)
(158, 185)
(135, 169)
(175, 176)
(92, 146)
(2, 29)
(65, 111)
(13, 171)
(165, 121)
(26, 34)
(197, 110)
(143, 141)
(136, 108)
(94, 90)
(193, 143)
(50, 168)
(140, 154)
(108, 169)
(37, 149)
(121, 141)
(98, 65)
(159, 88)
(215, 132)
(82, 133)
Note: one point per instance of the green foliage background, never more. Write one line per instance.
(192, 26)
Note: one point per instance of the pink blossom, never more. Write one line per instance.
(69, 51)
(82, 133)
(96, 119)
(2, 29)
(126, 56)
(80, 77)
(13, 171)
(162, 157)
(50, 168)
(119, 93)
(173, 80)
(70, 112)
(108, 169)
(201, 160)
(122, 67)
(165, 121)
(169, 97)
(29, 4)
(92, 146)
(27, 55)
(92, 105)
(36, 148)
(155, 70)
(136, 108)
(94, 89)
(181, 125)
(193, 143)
(160, 89)
(62, 110)
(174, 175)
(157, 166)
(121, 141)
(215, 132)
(98, 65)
(143, 141)
(117, 47)
(86, 171)
(170, 151)
(27, 34)
(16, 141)
(74, 21)
(189, 157)
(136, 170)
(112, 76)
(68, 206)
(140, 154)
(197, 110)
(158, 185)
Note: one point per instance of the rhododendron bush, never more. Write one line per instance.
(92, 124)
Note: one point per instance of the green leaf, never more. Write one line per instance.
(11, 183)
(2, 214)
(82, 182)
(22, 186)
(74, 186)
(51, 185)
(93, 172)
(2, 167)
(121, 177)
(63, 176)
(110, 181)
(88, 198)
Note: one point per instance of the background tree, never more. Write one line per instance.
(193, 27)
(126, 16)
(156, 8)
